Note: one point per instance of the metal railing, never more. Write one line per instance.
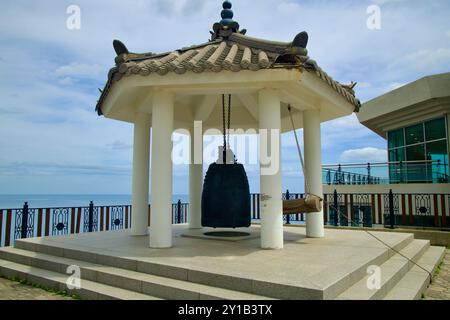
(421, 210)
(386, 173)
(39, 222)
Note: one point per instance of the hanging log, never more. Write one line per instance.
(308, 205)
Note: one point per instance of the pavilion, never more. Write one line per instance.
(182, 88)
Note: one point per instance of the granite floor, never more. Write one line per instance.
(307, 263)
(322, 261)
(440, 288)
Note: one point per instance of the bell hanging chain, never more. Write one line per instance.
(226, 125)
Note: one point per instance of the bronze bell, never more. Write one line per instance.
(226, 195)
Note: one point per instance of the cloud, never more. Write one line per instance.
(178, 7)
(121, 145)
(364, 85)
(394, 86)
(61, 169)
(67, 81)
(422, 62)
(50, 75)
(80, 71)
(344, 132)
(364, 155)
(384, 2)
(288, 7)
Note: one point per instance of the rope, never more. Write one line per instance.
(308, 192)
(302, 162)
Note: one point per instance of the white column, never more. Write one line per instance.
(313, 168)
(270, 175)
(161, 195)
(196, 177)
(141, 166)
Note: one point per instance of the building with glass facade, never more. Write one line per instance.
(419, 153)
(415, 120)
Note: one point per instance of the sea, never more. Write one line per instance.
(72, 200)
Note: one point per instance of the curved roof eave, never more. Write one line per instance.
(234, 53)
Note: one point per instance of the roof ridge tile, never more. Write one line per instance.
(237, 52)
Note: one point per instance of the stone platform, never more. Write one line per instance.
(115, 265)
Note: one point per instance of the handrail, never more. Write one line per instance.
(364, 165)
(417, 171)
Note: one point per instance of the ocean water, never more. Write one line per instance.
(56, 201)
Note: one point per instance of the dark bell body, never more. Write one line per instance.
(226, 197)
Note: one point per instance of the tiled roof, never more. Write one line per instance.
(234, 53)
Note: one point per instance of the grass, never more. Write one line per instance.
(438, 269)
(25, 282)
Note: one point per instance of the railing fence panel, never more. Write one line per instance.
(340, 209)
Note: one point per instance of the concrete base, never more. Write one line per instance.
(123, 267)
(202, 234)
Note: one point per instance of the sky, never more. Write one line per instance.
(52, 141)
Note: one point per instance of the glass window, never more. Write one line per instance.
(397, 155)
(426, 146)
(415, 153)
(414, 134)
(396, 139)
(397, 171)
(437, 151)
(435, 129)
(417, 172)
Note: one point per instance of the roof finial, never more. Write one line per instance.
(227, 13)
(227, 26)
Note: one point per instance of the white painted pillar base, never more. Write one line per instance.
(196, 177)
(161, 195)
(271, 183)
(141, 167)
(313, 168)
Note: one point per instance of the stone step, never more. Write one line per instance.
(163, 287)
(220, 280)
(345, 279)
(53, 280)
(259, 289)
(391, 270)
(417, 280)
